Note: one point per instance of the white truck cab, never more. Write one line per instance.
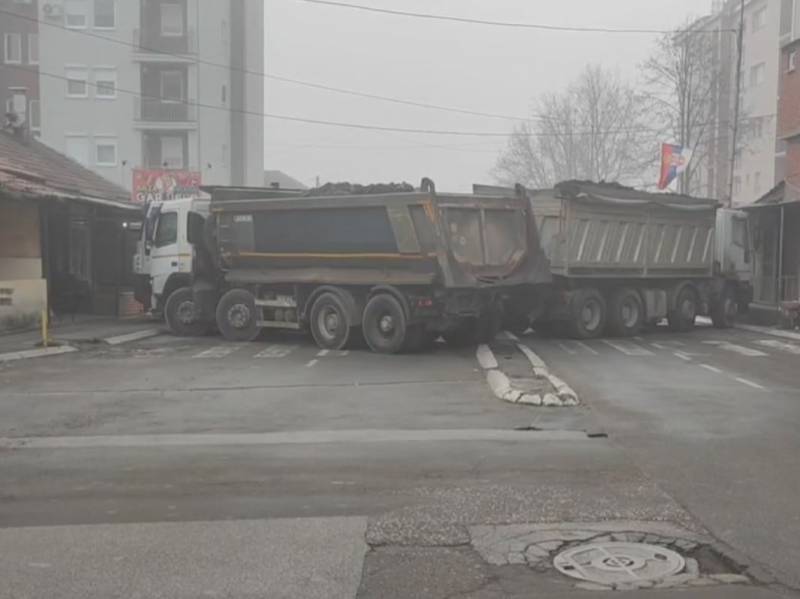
(163, 262)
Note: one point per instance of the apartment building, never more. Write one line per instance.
(789, 103)
(155, 84)
(19, 61)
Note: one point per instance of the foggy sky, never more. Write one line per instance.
(480, 68)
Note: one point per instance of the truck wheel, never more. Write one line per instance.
(724, 311)
(384, 324)
(626, 313)
(681, 318)
(237, 316)
(588, 309)
(329, 325)
(180, 316)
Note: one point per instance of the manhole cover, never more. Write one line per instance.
(609, 563)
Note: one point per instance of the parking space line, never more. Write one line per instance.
(322, 353)
(711, 368)
(784, 346)
(629, 349)
(312, 363)
(569, 350)
(751, 384)
(219, 351)
(738, 349)
(659, 346)
(587, 348)
(683, 356)
(276, 351)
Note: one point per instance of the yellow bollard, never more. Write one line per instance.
(45, 333)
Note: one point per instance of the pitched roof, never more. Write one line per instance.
(30, 168)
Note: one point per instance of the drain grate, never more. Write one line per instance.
(614, 563)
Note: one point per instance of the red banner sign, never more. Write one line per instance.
(164, 185)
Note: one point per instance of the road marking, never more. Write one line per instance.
(569, 350)
(769, 331)
(751, 384)
(587, 348)
(343, 354)
(659, 346)
(629, 349)
(220, 351)
(683, 356)
(639, 339)
(486, 357)
(322, 353)
(312, 363)
(276, 351)
(508, 335)
(137, 336)
(738, 349)
(289, 438)
(711, 368)
(781, 345)
(37, 353)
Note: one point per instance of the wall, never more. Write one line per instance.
(789, 104)
(254, 93)
(94, 117)
(11, 77)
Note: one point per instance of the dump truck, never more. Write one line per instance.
(394, 269)
(623, 259)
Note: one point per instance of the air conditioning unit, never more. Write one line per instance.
(53, 10)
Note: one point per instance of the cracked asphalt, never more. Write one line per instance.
(355, 487)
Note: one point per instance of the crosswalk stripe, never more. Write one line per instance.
(737, 349)
(220, 351)
(780, 345)
(276, 351)
(629, 349)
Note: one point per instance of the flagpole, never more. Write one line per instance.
(737, 98)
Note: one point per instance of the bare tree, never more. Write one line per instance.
(596, 129)
(682, 79)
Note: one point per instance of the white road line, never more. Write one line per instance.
(276, 351)
(569, 350)
(639, 339)
(137, 336)
(322, 353)
(37, 353)
(629, 349)
(343, 354)
(770, 331)
(711, 368)
(751, 384)
(312, 363)
(508, 335)
(486, 357)
(587, 348)
(784, 346)
(683, 356)
(220, 351)
(737, 349)
(659, 346)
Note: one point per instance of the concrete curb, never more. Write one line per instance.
(503, 389)
(65, 346)
(769, 331)
(37, 353)
(130, 337)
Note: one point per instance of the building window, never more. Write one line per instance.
(76, 14)
(757, 74)
(172, 20)
(105, 14)
(77, 82)
(77, 148)
(760, 18)
(757, 127)
(17, 103)
(12, 48)
(787, 10)
(172, 155)
(105, 81)
(105, 151)
(172, 86)
(792, 63)
(33, 48)
(35, 116)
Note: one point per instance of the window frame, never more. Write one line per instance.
(77, 136)
(168, 33)
(85, 14)
(6, 38)
(38, 127)
(791, 61)
(760, 68)
(162, 95)
(761, 22)
(98, 87)
(183, 151)
(77, 68)
(33, 36)
(113, 12)
(173, 240)
(106, 140)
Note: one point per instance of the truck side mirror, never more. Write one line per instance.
(195, 227)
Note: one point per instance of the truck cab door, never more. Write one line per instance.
(165, 258)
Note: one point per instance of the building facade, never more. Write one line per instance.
(789, 102)
(19, 61)
(155, 84)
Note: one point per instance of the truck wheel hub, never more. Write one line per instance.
(239, 316)
(185, 312)
(386, 324)
(329, 320)
(590, 315)
(630, 314)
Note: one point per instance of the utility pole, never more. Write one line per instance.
(737, 98)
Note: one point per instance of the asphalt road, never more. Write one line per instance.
(189, 468)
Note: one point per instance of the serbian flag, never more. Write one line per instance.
(674, 160)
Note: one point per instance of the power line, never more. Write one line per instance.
(347, 125)
(309, 84)
(516, 25)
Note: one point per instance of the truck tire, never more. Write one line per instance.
(724, 310)
(625, 313)
(384, 324)
(588, 311)
(179, 314)
(237, 316)
(328, 324)
(682, 317)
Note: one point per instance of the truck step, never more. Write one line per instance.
(278, 324)
(281, 302)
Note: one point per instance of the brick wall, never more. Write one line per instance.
(789, 104)
(793, 162)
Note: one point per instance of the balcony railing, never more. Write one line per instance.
(161, 111)
(147, 42)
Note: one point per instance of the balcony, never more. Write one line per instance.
(154, 47)
(153, 113)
